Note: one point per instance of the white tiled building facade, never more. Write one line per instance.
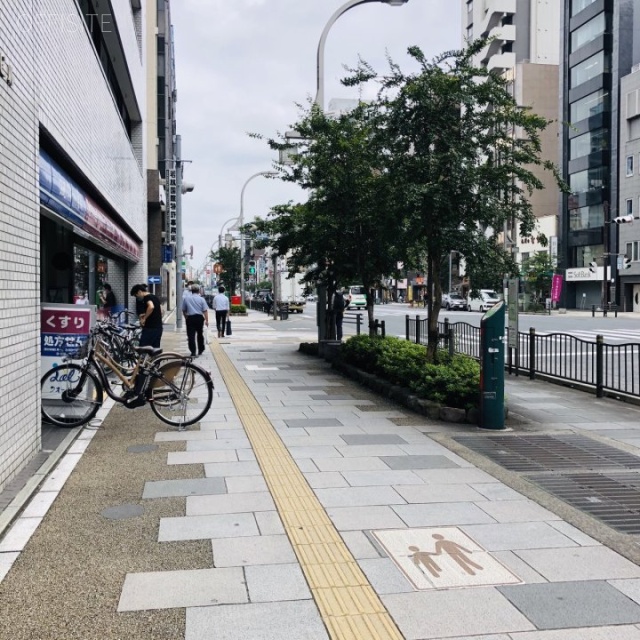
(72, 85)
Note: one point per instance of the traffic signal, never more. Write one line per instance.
(252, 267)
(624, 219)
(626, 262)
(593, 266)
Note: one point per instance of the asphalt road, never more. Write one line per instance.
(624, 328)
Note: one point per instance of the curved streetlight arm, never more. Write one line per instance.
(320, 56)
(241, 224)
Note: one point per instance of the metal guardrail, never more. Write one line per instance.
(613, 368)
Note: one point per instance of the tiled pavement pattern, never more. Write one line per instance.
(361, 465)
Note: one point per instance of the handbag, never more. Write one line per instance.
(228, 331)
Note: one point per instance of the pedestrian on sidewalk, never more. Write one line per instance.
(196, 315)
(108, 300)
(221, 307)
(150, 318)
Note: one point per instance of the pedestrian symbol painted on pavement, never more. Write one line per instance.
(458, 553)
(443, 558)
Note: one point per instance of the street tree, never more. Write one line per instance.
(345, 233)
(537, 274)
(229, 257)
(444, 135)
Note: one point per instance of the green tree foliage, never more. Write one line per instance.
(457, 172)
(430, 166)
(537, 274)
(229, 257)
(344, 234)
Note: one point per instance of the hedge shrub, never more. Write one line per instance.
(452, 381)
(238, 308)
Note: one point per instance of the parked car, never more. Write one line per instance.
(485, 299)
(296, 305)
(355, 297)
(453, 301)
(311, 298)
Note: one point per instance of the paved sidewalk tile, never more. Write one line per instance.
(202, 527)
(580, 563)
(190, 487)
(171, 589)
(252, 550)
(567, 605)
(230, 503)
(276, 582)
(456, 612)
(261, 621)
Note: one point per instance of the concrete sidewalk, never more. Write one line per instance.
(304, 507)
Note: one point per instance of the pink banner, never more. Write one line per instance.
(556, 287)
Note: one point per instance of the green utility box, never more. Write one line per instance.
(492, 368)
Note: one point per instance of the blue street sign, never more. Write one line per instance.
(154, 279)
(167, 253)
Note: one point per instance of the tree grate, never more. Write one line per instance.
(526, 453)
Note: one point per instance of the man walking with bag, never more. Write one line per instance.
(196, 315)
(221, 306)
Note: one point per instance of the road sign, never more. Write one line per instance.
(154, 279)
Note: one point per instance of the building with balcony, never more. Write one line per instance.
(629, 194)
(597, 54)
(72, 189)
(525, 49)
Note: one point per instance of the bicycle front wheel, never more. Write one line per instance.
(70, 395)
(181, 393)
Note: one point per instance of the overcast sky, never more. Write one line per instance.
(242, 65)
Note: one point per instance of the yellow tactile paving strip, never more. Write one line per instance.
(348, 604)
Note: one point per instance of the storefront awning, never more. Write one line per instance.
(60, 194)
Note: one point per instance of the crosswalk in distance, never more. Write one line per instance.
(621, 336)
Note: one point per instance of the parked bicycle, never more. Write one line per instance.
(179, 392)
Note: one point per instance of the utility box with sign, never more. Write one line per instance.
(492, 368)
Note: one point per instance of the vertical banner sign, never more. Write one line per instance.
(556, 287)
(64, 329)
(512, 312)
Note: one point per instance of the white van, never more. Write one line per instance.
(355, 297)
(487, 298)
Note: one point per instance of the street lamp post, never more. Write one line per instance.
(320, 57)
(321, 305)
(241, 223)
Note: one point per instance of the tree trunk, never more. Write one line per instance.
(434, 302)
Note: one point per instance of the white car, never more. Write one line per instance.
(484, 301)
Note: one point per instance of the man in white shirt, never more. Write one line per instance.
(221, 306)
(196, 315)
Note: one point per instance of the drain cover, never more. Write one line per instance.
(611, 498)
(549, 453)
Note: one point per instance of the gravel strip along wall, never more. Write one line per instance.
(67, 582)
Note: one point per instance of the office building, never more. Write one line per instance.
(598, 52)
